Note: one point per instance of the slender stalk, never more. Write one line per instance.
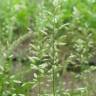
(53, 55)
(53, 63)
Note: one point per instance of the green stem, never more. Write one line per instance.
(53, 55)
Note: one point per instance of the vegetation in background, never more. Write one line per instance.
(46, 44)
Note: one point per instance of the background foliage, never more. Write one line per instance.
(40, 41)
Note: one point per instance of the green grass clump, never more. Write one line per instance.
(39, 39)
